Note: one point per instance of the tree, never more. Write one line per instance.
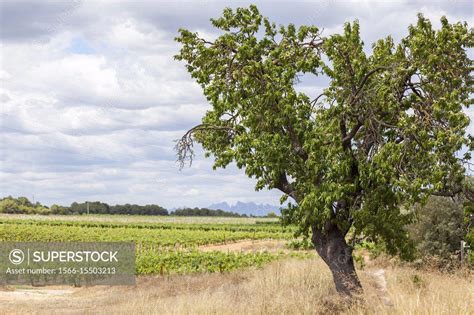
(138, 210)
(469, 221)
(383, 134)
(439, 227)
(21, 205)
(272, 215)
(57, 209)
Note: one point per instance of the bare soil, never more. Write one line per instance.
(246, 246)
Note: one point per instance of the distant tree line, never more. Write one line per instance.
(97, 207)
(22, 205)
(205, 212)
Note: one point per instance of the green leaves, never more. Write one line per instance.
(385, 132)
(188, 261)
(160, 248)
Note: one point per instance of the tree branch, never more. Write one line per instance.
(364, 80)
(286, 187)
(184, 146)
(317, 98)
(297, 147)
(346, 140)
(467, 192)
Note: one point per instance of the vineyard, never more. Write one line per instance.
(161, 247)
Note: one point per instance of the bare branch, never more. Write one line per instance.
(315, 101)
(184, 146)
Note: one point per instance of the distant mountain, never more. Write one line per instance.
(248, 208)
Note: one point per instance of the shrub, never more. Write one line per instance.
(438, 229)
(21, 205)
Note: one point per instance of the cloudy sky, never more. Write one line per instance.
(91, 98)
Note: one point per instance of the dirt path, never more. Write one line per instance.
(106, 299)
(380, 282)
(246, 246)
(33, 294)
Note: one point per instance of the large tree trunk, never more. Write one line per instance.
(333, 249)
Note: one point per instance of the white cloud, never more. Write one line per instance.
(92, 99)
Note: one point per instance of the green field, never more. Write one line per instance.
(163, 244)
(139, 218)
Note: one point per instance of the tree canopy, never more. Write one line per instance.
(385, 133)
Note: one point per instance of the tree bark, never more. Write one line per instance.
(337, 254)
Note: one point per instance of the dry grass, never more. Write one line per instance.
(284, 287)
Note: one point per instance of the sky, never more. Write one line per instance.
(92, 99)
